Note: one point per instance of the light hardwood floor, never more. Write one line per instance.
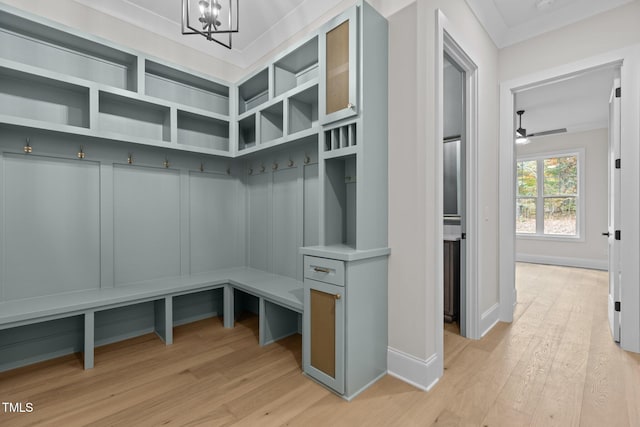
(554, 365)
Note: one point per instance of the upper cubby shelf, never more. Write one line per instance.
(254, 91)
(184, 88)
(42, 46)
(42, 100)
(296, 68)
(133, 118)
(57, 78)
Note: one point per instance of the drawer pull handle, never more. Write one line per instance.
(338, 296)
(321, 270)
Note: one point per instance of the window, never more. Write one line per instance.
(547, 201)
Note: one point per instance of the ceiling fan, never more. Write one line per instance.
(522, 137)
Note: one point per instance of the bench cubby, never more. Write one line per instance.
(80, 321)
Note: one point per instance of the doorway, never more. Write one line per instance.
(457, 135)
(566, 195)
(454, 197)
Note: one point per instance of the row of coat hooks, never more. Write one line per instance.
(275, 166)
(28, 149)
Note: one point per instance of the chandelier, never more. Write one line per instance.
(216, 19)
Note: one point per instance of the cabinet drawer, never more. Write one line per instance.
(324, 270)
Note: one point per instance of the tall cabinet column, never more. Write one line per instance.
(345, 277)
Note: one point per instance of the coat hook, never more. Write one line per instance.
(291, 163)
(274, 166)
(28, 148)
(201, 167)
(81, 153)
(262, 168)
(307, 159)
(130, 159)
(166, 163)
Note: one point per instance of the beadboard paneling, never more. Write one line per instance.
(146, 223)
(51, 218)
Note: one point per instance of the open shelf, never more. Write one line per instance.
(184, 88)
(340, 137)
(200, 131)
(133, 118)
(271, 123)
(340, 201)
(303, 110)
(247, 132)
(253, 92)
(38, 45)
(38, 98)
(297, 67)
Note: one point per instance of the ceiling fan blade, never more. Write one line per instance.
(547, 132)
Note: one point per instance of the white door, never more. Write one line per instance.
(614, 211)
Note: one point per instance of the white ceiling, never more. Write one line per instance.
(263, 24)
(512, 21)
(266, 24)
(579, 103)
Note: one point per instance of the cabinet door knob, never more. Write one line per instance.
(338, 296)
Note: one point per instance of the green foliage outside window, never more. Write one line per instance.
(558, 201)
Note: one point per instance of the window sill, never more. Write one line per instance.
(550, 238)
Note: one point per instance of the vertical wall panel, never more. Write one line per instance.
(286, 223)
(311, 206)
(258, 221)
(215, 222)
(51, 223)
(146, 223)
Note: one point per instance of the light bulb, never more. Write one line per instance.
(215, 9)
(203, 5)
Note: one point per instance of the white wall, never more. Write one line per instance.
(591, 251)
(599, 34)
(415, 304)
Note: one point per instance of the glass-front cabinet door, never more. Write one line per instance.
(323, 333)
(340, 67)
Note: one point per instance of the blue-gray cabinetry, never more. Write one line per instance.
(115, 166)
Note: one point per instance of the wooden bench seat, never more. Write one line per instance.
(280, 302)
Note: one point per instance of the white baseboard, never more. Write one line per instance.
(594, 264)
(489, 319)
(423, 374)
